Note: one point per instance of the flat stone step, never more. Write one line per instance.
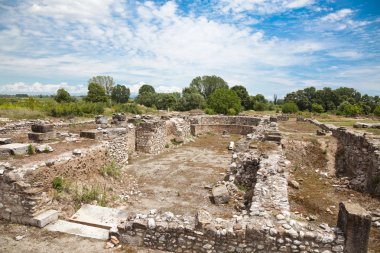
(15, 148)
(98, 216)
(78, 229)
(45, 218)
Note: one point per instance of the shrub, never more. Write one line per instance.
(348, 109)
(77, 109)
(377, 111)
(58, 183)
(260, 106)
(128, 108)
(289, 107)
(317, 108)
(31, 149)
(112, 170)
(209, 111)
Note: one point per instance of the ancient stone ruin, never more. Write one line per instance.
(262, 222)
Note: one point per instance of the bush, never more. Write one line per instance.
(260, 106)
(348, 109)
(77, 109)
(289, 107)
(209, 111)
(58, 183)
(317, 108)
(31, 149)
(128, 108)
(377, 111)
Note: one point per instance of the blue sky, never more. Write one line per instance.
(270, 46)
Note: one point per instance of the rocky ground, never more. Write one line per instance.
(314, 191)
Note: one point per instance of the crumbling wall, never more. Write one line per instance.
(24, 191)
(357, 157)
(151, 136)
(226, 120)
(230, 129)
(178, 128)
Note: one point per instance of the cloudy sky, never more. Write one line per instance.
(270, 46)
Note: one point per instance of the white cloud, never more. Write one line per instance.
(39, 88)
(337, 16)
(340, 20)
(346, 54)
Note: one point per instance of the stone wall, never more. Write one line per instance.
(226, 120)
(230, 129)
(24, 190)
(151, 136)
(357, 157)
(265, 226)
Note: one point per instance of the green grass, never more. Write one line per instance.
(112, 170)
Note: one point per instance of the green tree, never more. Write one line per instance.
(105, 81)
(120, 94)
(242, 92)
(148, 99)
(206, 85)
(317, 108)
(96, 93)
(289, 107)
(146, 88)
(224, 101)
(63, 96)
(348, 109)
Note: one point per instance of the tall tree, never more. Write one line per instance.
(225, 101)
(146, 88)
(105, 81)
(63, 96)
(120, 94)
(242, 92)
(206, 85)
(96, 93)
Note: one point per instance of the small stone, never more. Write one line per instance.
(294, 184)
(114, 240)
(280, 217)
(109, 245)
(77, 152)
(151, 223)
(19, 237)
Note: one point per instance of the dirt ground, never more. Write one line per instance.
(175, 180)
(312, 165)
(42, 241)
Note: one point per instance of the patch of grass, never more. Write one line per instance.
(166, 145)
(88, 195)
(31, 149)
(242, 187)
(111, 170)
(175, 142)
(60, 184)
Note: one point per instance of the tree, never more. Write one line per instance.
(377, 111)
(96, 93)
(63, 96)
(289, 107)
(147, 99)
(191, 99)
(105, 81)
(120, 94)
(146, 88)
(224, 101)
(348, 109)
(206, 85)
(242, 92)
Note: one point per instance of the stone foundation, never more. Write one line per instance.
(357, 157)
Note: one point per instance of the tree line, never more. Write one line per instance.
(213, 95)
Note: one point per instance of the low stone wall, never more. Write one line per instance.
(226, 120)
(357, 157)
(230, 129)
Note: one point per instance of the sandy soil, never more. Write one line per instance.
(175, 180)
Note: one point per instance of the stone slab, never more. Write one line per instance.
(45, 218)
(91, 134)
(98, 216)
(78, 229)
(220, 194)
(42, 128)
(15, 148)
(4, 141)
(38, 137)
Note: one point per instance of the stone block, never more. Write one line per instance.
(15, 148)
(203, 219)
(45, 218)
(4, 141)
(91, 134)
(42, 128)
(100, 119)
(355, 222)
(220, 194)
(39, 137)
